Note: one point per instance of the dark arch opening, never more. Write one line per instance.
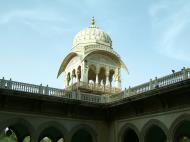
(155, 134)
(82, 135)
(130, 136)
(92, 73)
(14, 132)
(52, 134)
(182, 133)
(102, 76)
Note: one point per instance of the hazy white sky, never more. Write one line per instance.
(152, 36)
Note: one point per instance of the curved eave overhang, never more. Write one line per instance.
(110, 54)
(65, 62)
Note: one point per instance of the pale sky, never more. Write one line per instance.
(151, 36)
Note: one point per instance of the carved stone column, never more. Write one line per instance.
(78, 74)
(73, 76)
(68, 79)
(97, 73)
(107, 77)
(118, 78)
(84, 72)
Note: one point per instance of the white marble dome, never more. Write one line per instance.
(92, 35)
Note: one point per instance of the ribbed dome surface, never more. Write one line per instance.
(92, 35)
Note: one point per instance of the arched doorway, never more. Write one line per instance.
(51, 134)
(155, 134)
(82, 135)
(130, 136)
(182, 133)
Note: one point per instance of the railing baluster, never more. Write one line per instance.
(152, 84)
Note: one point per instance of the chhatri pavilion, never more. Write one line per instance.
(92, 64)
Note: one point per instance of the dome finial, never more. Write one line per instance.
(93, 23)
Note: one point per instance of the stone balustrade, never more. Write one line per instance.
(87, 97)
(94, 88)
(153, 84)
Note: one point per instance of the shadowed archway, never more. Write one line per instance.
(18, 128)
(51, 130)
(129, 133)
(180, 129)
(154, 131)
(155, 134)
(83, 133)
(130, 136)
